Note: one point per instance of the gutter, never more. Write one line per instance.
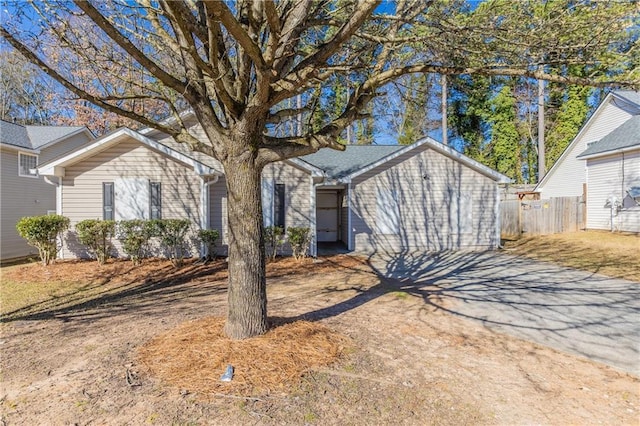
(58, 186)
(612, 152)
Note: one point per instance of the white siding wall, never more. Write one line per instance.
(429, 220)
(344, 216)
(82, 191)
(567, 178)
(21, 196)
(610, 176)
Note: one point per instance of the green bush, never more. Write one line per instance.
(209, 238)
(96, 235)
(299, 238)
(42, 233)
(134, 236)
(172, 233)
(273, 240)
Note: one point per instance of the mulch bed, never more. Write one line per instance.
(193, 356)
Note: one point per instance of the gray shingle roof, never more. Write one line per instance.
(625, 136)
(42, 135)
(14, 134)
(338, 164)
(33, 137)
(629, 95)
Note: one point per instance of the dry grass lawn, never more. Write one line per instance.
(612, 254)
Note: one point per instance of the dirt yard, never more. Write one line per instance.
(72, 356)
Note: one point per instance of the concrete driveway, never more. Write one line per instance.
(573, 311)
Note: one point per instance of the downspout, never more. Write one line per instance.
(497, 213)
(349, 230)
(313, 224)
(58, 186)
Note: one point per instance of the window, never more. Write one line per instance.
(278, 205)
(155, 198)
(633, 196)
(273, 203)
(27, 165)
(133, 198)
(387, 212)
(107, 201)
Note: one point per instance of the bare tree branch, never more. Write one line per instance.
(129, 47)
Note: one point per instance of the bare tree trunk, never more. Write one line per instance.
(541, 149)
(445, 130)
(247, 295)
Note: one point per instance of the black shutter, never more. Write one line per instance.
(278, 205)
(155, 199)
(107, 201)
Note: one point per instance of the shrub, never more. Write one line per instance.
(209, 238)
(172, 234)
(42, 233)
(273, 240)
(134, 235)
(96, 235)
(299, 238)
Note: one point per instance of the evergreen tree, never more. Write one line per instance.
(569, 118)
(505, 139)
(468, 112)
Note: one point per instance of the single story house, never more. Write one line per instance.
(424, 196)
(23, 191)
(613, 179)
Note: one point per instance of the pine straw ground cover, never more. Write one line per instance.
(193, 356)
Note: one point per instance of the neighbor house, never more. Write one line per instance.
(613, 179)
(567, 177)
(602, 163)
(23, 191)
(424, 196)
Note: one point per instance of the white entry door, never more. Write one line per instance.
(327, 216)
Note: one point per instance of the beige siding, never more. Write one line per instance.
(611, 177)
(218, 212)
(82, 191)
(567, 178)
(297, 199)
(297, 192)
(21, 196)
(425, 185)
(197, 131)
(63, 147)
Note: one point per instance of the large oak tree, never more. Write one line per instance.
(237, 65)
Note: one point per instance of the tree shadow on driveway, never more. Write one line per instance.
(573, 311)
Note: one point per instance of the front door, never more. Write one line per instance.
(327, 216)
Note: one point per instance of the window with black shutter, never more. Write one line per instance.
(278, 205)
(155, 199)
(107, 201)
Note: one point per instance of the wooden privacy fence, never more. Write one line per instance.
(539, 217)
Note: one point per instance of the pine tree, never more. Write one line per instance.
(505, 139)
